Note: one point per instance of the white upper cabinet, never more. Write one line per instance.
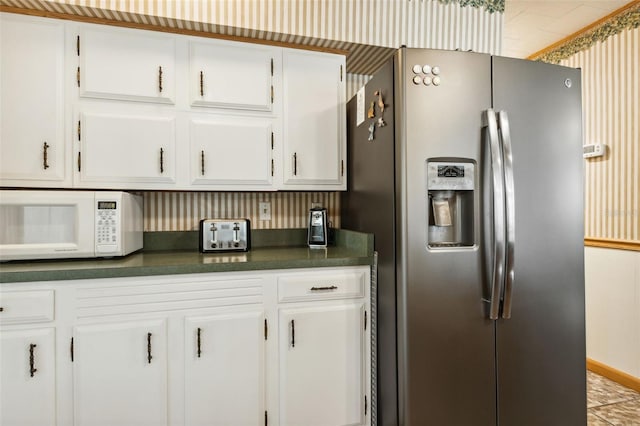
(233, 152)
(162, 111)
(314, 120)
(126, 148)
(226, 74)
(33, 152)
(133, 65)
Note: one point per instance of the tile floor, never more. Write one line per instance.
(610, 403)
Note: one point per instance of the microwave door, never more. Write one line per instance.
(46, 224)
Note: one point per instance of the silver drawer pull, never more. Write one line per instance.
(333, 287)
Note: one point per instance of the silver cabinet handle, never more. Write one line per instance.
(201, 83)
(202, 162)
(160, 79)
(497, 174)
(510, 204)
(161, 160)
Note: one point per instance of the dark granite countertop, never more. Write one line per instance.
(173, 253)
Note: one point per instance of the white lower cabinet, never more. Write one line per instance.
(27, 356)
(27, 383)
(281, 347)
(120, 373)
(225, 368)
(321, 365)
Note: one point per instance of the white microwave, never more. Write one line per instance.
(54, 224)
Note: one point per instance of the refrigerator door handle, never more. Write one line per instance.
(507, 156)
(497, 178)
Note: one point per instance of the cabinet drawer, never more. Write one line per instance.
(314, 286)
(26, 306)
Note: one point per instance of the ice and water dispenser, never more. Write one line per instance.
(450, 210)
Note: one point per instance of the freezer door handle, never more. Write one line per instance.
(507, 156)
(497, 180)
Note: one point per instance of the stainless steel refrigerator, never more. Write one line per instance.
(468, 169)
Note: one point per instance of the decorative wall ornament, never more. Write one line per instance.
(489, 5)
(627, 20)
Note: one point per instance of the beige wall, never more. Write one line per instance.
(611, 88)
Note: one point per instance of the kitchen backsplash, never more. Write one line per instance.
(182, 211)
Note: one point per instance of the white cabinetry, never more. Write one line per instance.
(232, 75)
(33, 150)
(27, 359)
(231, 152)
(314, 120)
(126, 146)
(225, 368)
(286, 347)
(120, 373)
(322, 348)
(124, 141)
(119, 63)
(149, 110)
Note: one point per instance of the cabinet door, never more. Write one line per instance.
(27, 383)
(32, 148)
(232, 75)
(227, 151)
(126, 148)
(120, 374)
(322, 365)
(314, 120)
(126, 64)
(225, 369)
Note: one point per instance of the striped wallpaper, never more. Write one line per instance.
(182, 211)
(611, 88)
(368, 29)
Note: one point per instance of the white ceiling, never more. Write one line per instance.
(530, 26)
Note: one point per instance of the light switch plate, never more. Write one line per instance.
(265, 211)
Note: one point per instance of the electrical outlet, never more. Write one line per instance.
(265, 211)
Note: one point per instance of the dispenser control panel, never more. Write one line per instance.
(450, 176)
